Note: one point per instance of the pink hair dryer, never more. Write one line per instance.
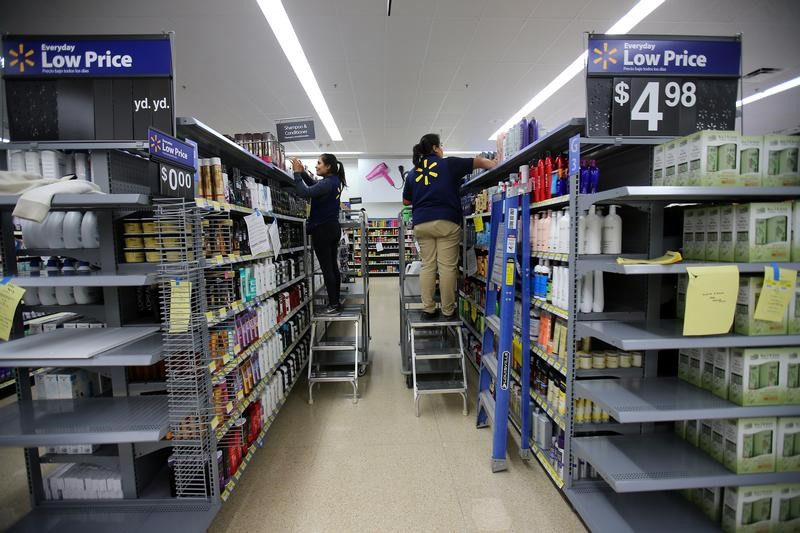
(380, 171)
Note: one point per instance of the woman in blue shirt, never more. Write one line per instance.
(323, 223)
(432, 188)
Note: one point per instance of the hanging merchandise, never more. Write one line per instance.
(612, 232)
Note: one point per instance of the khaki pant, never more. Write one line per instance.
(439, 241)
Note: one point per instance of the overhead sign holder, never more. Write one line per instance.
(650, 85)
(291, 130)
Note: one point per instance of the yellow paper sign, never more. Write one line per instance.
(775, 295)
(10, 295)
(180, 300)
(479, 224)
(710, 300)
(510, 273)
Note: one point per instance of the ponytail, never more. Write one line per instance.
(336, 166)
(426, 145)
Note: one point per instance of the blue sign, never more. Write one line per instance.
(574, 155)
(95, 57)
(640, 55)
(166, 147)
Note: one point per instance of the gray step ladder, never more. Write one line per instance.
(340, 359)
(437, 340)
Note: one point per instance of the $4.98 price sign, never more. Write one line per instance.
(653, 106)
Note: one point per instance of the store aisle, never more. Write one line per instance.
(374, 466)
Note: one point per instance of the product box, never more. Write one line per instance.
(748, 509)
(779, 161)
(713, 229)
(707, 368)
(711, 502)
(717, 155)
(700, 233)
(750, 445)
(793, 325)
(788, 447)
(680, 428)
(683, 285)
(684, 356)
(671, 163)
(744, 321)
(658, 165)
(722, 372)
(694, 160)
(705, 438)
(755, 376)
(696, 363)
(790, 373)
(689, 227)
(727, 233)
(786, 508)
(762, 232)
(693, 432)
(750, 148)
(795, 230)
(682, 161)
(718, 439)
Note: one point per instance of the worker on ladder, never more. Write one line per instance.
(323, 223)
(432, 190)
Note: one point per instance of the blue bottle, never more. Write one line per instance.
(594, 176)
(584, 184)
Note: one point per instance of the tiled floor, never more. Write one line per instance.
(374, 466)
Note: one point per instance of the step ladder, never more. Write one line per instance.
(495, 372)
(437, 342)
(336, 359)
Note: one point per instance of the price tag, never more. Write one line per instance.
(179, 306)
(215, 422)
(238, 473)
(229, 407)
(478, 223)
(220, 259)
(237, 348)
(212, 366)
(10, 296)
(222, 312)
(226, 359)
(230, 485)
(210, 316)
(240, 395)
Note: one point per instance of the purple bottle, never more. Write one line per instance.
(584, 184)
(594, 176)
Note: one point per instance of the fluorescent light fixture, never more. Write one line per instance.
(4, 140)
(282, 28)
(785, 86)
(621, 27)
(315, 154)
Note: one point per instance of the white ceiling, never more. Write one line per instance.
(456, 67)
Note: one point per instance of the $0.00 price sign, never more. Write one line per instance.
(653, 106)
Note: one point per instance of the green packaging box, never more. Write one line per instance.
(748, 509)
(705, 439)
(707, 369)
(750, 445)
(684, 356)
(722, 372)
(788, 445)
(693, 432)
(793, 326)
(711, 503)
(658, 165)
(779, 164)
(680, 428)
(718, 439)
(786, 508)
(682, 175)
(670, 163)
(700, 233)
(750, 148)
(689, 227)
(755, 376)
(713, 230)
(727, 233)
(697, 360)
(762, 232)
(744, 322)
(683, 284)
(796, 230)
(790, 373)
(716, 153)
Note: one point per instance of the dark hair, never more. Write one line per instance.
(425, 147)
(335, 165)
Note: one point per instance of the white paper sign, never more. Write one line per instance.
(275, 237)
(472, 262)
(257, 234)
(379, 247)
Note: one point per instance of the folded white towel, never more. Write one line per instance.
(37, 192)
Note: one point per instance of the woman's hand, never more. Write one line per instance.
(297, 165)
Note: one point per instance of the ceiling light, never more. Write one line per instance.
(318, 153)
(622, 26)
(4, 140)
(785, 86)
(282, 28)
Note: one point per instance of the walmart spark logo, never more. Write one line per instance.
(155, 143)
(427, 172)
(605, 55)
(20, 58)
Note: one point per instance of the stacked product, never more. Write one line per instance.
(262, 145)
(50, 164)
(714, 158)
(83, 482)
(518, 136)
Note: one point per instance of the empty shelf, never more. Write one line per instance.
(86, 201)
(686, 194)
(666, 399)
(587, 264)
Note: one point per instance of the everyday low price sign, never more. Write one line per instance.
(73, 56)
(177, 161)
(661, 86)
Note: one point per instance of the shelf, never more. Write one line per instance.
(686, 194)
(224, 313)
(610, 265)
(550, 255)
(85, 421)
(221, 261)
(39, 350)
(551, 202)
(550, 308)
(666, 335)
(478, 215)
(665, 399)
(212, 143)
(662, 461)
(472, 302)
(602, 510)
(225, 207)
(88, 280)
(472, 330)
(630, 372)
(75, 145)
(106, 456)
(539, 454)
(553, 141)
(84, 347)
(539, 350)
(62, 202)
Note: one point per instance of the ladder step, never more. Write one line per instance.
(431, 356)
(337, 357)
(333, 346)
(417, 320)
(493, 322)
(440, 386)
(344, 316)
(489, 360)
(485, 399)
(333, 375)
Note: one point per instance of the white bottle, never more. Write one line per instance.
(539, 227)
(563, 233)
(553, 232)
(594, 232)
(598, 295)
(612, 232)
(565, 289)
(66, 295)
(581, 234)
(587, 293)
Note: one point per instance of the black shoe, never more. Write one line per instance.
(332, 310)
(430, 316)
(448, 317)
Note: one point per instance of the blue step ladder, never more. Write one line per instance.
(509, 226)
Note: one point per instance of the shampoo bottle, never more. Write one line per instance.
(581, 234)
(584, 185)
(612, 232)
(563, 233)
(594, 176)
(598, 303)
(587, 293)
(593, 233)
